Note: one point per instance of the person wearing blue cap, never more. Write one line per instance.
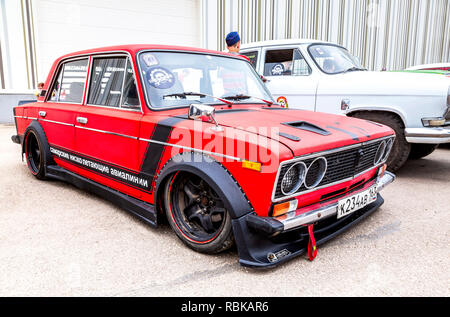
(233, 42)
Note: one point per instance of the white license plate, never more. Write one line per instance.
(353, 203)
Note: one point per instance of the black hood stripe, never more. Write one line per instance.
(353, 135)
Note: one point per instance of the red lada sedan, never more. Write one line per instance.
(193, 136)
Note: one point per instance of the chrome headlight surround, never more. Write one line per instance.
(301, 170)
(322, 166)
(387, 150)
(380, 153)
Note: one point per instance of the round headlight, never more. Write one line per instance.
(293, 179)
(388, 149)
(380, 153)
(316, 172)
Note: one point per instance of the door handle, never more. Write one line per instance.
(82, 120)
(42, 114)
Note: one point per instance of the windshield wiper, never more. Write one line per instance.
(243, 97)
(354, 69)
(197, 94)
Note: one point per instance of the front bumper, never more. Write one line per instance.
(428, 135)
(287, 237)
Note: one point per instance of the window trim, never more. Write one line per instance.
(55, 77)
(88, 82)
(288, 47)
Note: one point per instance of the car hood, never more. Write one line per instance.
(385, 83)
(303, 132)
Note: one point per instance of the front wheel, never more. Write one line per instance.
(197, 214)
(401, 148)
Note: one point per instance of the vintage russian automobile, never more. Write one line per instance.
(193, 136)
(322, 76)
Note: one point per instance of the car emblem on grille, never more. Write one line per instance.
(358, 157)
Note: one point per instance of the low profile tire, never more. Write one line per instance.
(401, 148)
(34, 154)
(421, 150)
(197, 214)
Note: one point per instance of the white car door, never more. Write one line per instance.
(291, 80)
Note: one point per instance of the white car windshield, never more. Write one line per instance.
(333, 59)
(177, 79)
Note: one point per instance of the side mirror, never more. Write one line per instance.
(199, 111)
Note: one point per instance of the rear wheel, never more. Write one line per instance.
(421, 150)
(401, 148)
(197, 214)
(34, 155)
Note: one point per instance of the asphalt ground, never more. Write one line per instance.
(56, 240)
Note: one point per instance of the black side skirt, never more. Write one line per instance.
(137, 207)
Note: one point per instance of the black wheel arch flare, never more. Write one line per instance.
(214, 173)
(36, 127)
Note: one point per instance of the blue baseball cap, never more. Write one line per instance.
(232, 38)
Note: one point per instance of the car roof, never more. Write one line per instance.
(134, 48)
(282, 42)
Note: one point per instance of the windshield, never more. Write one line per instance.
(333, 59)
(168, 76)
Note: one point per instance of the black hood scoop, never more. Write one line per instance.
(303, 125)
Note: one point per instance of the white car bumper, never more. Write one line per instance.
(428, 135)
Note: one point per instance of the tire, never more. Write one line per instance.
(34, 154)
(421, 150)
(197, 214)
(401, 148)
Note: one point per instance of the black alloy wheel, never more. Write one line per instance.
(197, 214)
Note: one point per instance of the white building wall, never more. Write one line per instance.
(391, 34)
(64, 26)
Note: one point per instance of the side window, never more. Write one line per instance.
(113, 83)
(70, 82)
(105, 88)
(253, 57)
(56, 86)
(285, 62)
(130, 94)
(300, 67)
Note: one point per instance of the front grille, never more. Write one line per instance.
(341, 165)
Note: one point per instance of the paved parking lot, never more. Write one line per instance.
(56, 240)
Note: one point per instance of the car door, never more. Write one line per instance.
(57, 114)
(290, 79)
(107, 127)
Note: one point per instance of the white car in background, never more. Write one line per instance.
(325, 77)
(437, 66)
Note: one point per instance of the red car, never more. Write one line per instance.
(193, 136)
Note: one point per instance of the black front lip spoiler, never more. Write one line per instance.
(255, 246)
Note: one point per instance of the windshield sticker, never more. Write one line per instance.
(277, 70)
(283, 102)
(160, 78)
(150, 59)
